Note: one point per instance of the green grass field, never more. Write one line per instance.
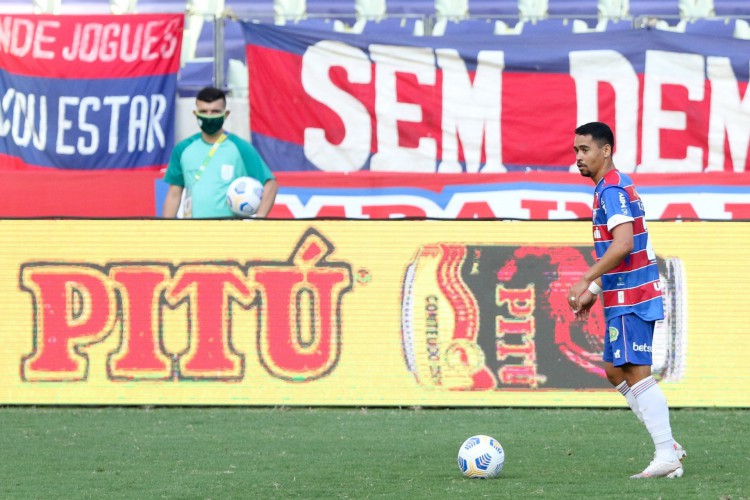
(358, 453)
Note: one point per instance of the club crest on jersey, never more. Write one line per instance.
(613, 333)
(227, 172)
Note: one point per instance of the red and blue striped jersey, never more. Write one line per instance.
(633, 286)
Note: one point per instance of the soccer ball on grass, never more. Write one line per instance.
(481, 457)
(243, 196)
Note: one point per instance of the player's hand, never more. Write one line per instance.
(584, 302)
(575, 292)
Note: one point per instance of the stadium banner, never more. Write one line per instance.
(386, 313)
(512, 195)
(379, 195)
(339, 102)
(88, 91)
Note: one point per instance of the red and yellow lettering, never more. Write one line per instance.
(521, 375)
(301, 332)
(526, 349)
(74, 307)
(520, 300)
(140, 354)
(210, 354)
(524, 325)
(515, 337)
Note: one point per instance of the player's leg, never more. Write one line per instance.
(635, 339)
(615, 374)
(616, 377)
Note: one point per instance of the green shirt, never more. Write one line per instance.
(235, 157)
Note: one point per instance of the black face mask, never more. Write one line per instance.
(211, 124)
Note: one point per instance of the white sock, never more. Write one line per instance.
(655, 412)
(624, 389)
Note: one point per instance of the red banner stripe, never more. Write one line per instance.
(90, 47)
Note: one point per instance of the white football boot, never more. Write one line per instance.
(657, 468)
(679, 451)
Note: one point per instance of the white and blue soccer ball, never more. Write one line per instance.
(481, 457)
(243, 196)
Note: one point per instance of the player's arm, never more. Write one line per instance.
(172, 202)
(580, 297)
(270, 188)
(618, 251)
(256, 167)
(174, 178)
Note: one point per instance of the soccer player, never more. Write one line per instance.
(204, 164)
(627, 277)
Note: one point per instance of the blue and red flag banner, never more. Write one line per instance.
(88, 92)
(337, 102)
(377, 195)
(514, 195)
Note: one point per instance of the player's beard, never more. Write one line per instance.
(584, 171)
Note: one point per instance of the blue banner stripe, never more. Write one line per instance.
(538, 53)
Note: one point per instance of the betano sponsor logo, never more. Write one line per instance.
(641, 347)
(79, 304)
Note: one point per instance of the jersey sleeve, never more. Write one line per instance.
(616, 204)
(254, 164)
(173, 175)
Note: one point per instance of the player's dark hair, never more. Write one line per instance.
(211, 94)
(600, 132)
